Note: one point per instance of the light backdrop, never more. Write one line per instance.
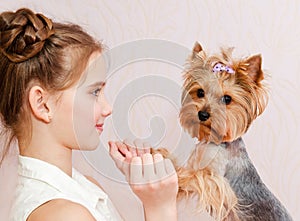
(268, 27)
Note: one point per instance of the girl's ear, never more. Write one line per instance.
(38, 101)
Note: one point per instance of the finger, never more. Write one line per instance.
(123, 149)
(124, 166)
(136, 171)
(148, 167)
(116, 155)
(120, 161)
(159, 166)
(139, 147)
(170, 169)
(126, 169)
(147, 147)
(114, 151)
(131, 147)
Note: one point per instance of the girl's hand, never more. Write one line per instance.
(151, 177)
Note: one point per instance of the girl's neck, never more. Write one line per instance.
(58, 156)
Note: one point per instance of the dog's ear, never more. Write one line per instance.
(197, 47)
(254, 68)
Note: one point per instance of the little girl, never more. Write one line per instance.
(52, 102)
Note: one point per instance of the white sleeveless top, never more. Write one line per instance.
(39, 182)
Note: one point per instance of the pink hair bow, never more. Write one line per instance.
(218, 67)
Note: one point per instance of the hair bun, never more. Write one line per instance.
(23, 34)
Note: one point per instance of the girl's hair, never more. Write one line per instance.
(33, 49)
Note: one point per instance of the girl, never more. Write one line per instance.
(52, 102)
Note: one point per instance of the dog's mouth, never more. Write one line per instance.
(209, 134)
(208, 130)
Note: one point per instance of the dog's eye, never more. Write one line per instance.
(200, 93)
(226, 99)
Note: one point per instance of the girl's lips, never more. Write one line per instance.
(99, 127)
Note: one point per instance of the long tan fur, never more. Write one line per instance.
(203, 177)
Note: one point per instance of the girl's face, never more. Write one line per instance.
(82, 109)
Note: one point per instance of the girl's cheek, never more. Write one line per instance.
(97, 111)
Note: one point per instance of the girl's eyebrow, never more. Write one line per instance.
(97, 84)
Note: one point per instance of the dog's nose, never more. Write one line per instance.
(203, 115)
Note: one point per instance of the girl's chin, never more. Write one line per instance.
(90, 148)
(99, 132)
(90, 144)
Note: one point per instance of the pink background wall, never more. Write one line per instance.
(268, 27)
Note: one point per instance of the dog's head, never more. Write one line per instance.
(221, 96)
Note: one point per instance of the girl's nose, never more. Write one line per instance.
(106, 108)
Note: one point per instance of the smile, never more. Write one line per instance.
(99, 127)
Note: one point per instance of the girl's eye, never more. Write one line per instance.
(96, 92)
(200, 93)
(226, 99)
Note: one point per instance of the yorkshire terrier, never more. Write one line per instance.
(221, 98)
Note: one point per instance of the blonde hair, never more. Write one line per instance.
(35, 49)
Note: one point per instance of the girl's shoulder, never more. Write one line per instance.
(60, 209)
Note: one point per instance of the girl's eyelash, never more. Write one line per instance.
(96, 92)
